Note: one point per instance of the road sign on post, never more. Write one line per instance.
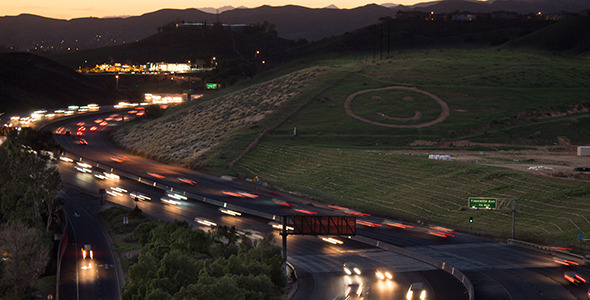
(481, 203)
(499, 204)
(323, 225)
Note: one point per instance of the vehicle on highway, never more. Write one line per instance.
(416, 292)
(565, 261)
(116, 191)
(87, 252)
(66, 159)
(230, 212)
(279, 225)
(140, 196)
(60, 130)
(383, 274)
(82, 169)
(118, 158)
(353, 290)
(171, 201)
(176, 196)
(156, 175)
(205, 222)
(99, 175)
(588, 293)
(574, 278)
(240, 194)
(329, 239)
(187, 180)
(112, 176)
(351, 268)
(82, 142)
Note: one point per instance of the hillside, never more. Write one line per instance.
(30, 82)
(359, 135)
(571, 35)
(188, 135)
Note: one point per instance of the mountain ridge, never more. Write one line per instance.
(28, 32)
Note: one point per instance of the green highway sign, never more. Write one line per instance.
(211, 86)
(482, 203)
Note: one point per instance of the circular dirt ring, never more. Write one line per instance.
(445, 112)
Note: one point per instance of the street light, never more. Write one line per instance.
(117, 85)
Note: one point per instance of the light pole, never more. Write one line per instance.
(117, 82)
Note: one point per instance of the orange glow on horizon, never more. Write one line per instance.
(69, 9)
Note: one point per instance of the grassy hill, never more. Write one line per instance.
(504, 99)
(571, 35)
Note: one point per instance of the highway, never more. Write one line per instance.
(497, 270)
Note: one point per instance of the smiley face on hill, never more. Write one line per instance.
(397, 107)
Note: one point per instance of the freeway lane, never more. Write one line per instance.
(86, 278)
(317, 259)
(532, 275)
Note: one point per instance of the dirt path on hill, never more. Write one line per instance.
(445, 112)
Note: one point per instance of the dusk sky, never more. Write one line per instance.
(68, 9)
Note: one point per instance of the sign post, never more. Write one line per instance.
(500, 204)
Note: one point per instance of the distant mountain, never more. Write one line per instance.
(31, 82)
(519, 6)
(212, 10)
(35, 33)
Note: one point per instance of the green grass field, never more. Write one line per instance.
(412, 187)
(517, 98)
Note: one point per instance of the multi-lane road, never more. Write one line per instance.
(497, 270)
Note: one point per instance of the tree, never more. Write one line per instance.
(28, 185)
(27, 255)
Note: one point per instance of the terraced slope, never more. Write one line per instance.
(186, 135)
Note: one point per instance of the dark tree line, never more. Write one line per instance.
(177, 262)
(28, 201)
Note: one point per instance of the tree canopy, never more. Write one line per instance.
(177, 262)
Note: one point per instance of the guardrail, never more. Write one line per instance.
(548, 250)
(388, 247)
(424, 258)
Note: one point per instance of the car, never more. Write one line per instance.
(87, 252)
(383, 274)
(118, 158)
(351, 268)
(82, 142)
(574, 278)
(187, 180)
(99, 175)
(205, 222)
(416, 292)
(353, 290)
(156, 175)
(140, 196)
(565, 261)
(170, 201)
(588, 293)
